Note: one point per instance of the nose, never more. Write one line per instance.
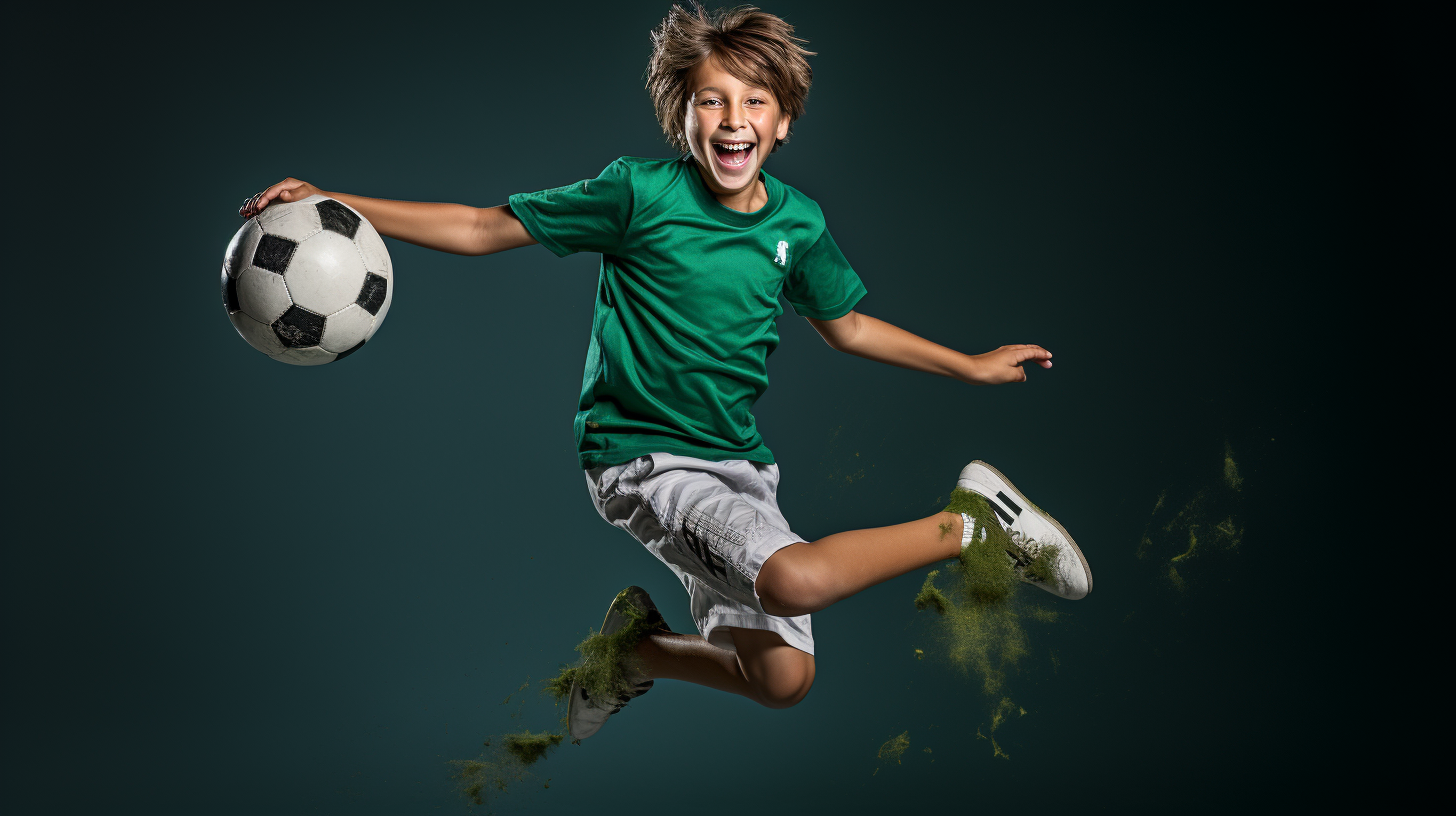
(734, 119)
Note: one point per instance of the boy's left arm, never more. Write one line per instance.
(872, 339)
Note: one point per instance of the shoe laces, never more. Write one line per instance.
(1028, 549)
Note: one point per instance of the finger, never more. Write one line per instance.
(268, 194)
(284, 191)
(1023, 348)
(263, 198)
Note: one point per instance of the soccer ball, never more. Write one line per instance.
(307, 282)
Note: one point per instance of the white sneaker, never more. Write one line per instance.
(1032, 531)
(584, 715)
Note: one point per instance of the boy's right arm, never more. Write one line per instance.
(454, 228)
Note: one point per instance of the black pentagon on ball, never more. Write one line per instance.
(371, 294)
(274, 253)
(351, 350)
(335, 217)
(229, 292)
(299, 328)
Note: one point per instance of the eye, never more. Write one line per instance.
(755, 101)
(708, 103)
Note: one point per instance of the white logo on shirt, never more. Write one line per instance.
(782, 259)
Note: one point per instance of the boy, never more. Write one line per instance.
(695, 253)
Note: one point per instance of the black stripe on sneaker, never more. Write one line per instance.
(1009, 503)
(1006, 517)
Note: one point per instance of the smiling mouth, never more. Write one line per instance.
(733, 155)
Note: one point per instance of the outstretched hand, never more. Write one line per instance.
(289, 189)
(1004, 365)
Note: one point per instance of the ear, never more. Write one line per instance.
(783, 131)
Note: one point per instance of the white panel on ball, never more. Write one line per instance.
(297, 221)
(262, 294)
(313, 355)
(345, 328)
(383, 310)
(259, 335)
(371, 248)
(326, 273)
(240, 250)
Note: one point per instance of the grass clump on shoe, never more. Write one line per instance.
(609, 661)
(609, 673)
(560, 685)
(987, 571)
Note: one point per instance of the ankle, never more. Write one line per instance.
(952, 531)
(649, 656)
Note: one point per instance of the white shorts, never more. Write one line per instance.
(714, 524)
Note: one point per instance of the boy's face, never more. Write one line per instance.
(731, 128)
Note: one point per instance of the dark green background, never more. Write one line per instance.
(235, 586)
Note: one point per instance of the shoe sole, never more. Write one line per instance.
(614, 619)
(1029, 504)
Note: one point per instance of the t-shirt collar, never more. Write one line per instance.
(714, 209)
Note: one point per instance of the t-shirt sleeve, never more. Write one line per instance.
(588, 216)
(821, 284)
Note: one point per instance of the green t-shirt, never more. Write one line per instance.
(686, 301)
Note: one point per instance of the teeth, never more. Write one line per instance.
(742, 146)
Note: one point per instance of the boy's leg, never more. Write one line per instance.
(806, 577)
(764, 669)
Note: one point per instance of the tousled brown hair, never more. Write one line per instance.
(754, 46)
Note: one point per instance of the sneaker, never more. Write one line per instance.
(1031, 531)
(584, 715)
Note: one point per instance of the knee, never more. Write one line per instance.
(788, 686)
(788, 585)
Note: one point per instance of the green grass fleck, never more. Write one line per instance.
(930, 596)
(894, 748)
(1231, 469)
(1192, 544)
(527, 747)
(1002, 710)
(1043, 614)
(998, 751)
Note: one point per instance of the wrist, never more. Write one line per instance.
(970, 370)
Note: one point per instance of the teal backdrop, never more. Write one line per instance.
(233, 586)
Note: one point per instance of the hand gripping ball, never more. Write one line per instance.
(307, 282)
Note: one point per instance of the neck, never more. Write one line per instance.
(750, 199)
